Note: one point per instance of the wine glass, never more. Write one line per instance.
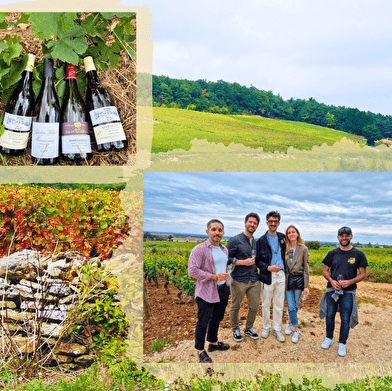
(340, 278)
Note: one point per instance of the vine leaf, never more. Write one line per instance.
(44, 24)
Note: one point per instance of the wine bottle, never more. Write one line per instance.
(75, 137)
(45, 138)
(19, 113)
(105, 120)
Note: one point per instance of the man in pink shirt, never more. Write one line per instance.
(208, 264)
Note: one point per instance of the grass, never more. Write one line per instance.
(158, 345)
(176, 128)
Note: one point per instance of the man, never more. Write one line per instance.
(208, 264)
(270, 250)
(244, 277)
(341, 267)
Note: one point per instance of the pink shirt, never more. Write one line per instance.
(201, 266)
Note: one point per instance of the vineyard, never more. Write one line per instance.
(176, 128)
(170, 260)
(53, 220)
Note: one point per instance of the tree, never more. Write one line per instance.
(313, 245)
(371, 133)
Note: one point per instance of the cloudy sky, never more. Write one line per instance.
(317, 203)
(336, 51)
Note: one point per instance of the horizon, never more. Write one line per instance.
(225, 237)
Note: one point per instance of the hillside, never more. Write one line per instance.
(176, 128)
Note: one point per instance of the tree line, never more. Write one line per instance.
(232, 98)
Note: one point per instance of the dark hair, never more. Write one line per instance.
(273, 213)
(214, 221)
(255, 215)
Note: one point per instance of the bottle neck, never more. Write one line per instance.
(92, 77)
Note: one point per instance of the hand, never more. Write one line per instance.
(306, 292)
(308, 259)
(223, 276)
(274, 268)
(344, 283)
(249, 261)
(335, 285)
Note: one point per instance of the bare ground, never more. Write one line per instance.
(173, 319)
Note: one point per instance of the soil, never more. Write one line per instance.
(173, 319)
(121, 84)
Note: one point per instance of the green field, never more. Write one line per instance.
(176, 128)
(171, 261)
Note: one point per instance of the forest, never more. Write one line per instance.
(232, 98)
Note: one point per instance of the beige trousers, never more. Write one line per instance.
(238, 291)
(274, 293)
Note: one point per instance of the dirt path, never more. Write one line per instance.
(369, 342)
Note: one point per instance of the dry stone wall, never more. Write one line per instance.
(37, 293)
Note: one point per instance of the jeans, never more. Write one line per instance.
(345, 303)
(292, 300)
(209, 315)
(274, 293)
(238, 291)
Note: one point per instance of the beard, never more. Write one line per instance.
(345, 245)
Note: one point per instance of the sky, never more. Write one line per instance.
(335, 51)
(318, 204)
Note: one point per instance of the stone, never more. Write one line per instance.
(86, 359)
(24, 344)
(71, 349)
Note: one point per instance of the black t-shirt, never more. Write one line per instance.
(346, 263)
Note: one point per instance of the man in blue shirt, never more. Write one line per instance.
(270, 252)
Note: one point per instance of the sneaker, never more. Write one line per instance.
(287, 330)
(342, 349)
(295, 336)
(279, 336)
(251, 333)
(265, 333)
(327, 343)
(218, 346)
(237, 335)
(204, 357)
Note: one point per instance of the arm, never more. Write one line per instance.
(194, 266)
(327, 276)
(232, 246)
(361, 276)
(306, 267)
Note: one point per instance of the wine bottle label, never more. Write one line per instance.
(104, 114)
(45, 140)
(14, 140)
(71, 72)
(89, 64)
(30, 62)
(75, 138)
(109, 132)
(17, 122)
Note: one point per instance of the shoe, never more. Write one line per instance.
(219, 346)
(295, 336)
(327, 343)
(237, 335)
(265, 333)
(342, 349)
(204, 357)
(279, 336)
(287, 330)
(251, 333)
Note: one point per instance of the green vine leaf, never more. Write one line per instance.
(44, 24)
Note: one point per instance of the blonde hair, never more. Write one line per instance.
(300, 241)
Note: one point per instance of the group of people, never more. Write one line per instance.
(272, 268)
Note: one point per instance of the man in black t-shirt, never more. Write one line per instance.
(341, 267)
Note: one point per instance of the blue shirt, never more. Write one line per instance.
(276, 253)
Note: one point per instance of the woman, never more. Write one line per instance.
(296, 263)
